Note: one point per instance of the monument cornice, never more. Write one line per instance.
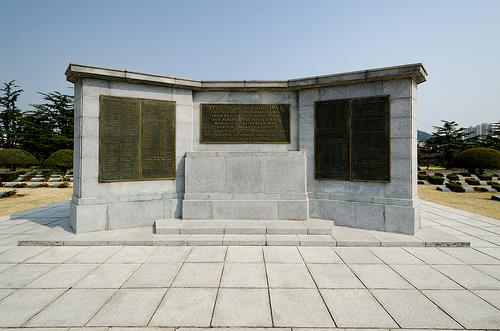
(415, 71)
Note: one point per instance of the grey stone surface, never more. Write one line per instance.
(108, 276)
(186, 307)
(245, 275)
(411, 309)
(20, 254)
(129, 307)
(242, 307)
(425, 277)
(281, 275)
(63, 276)
(94, 255)
(153, 275)
(469, 277)
(207, 254)
(299, 308)
(395, 255)
(432, 255)
(282, 255)
(132, 255)
(22, 274)
(169, 255)
(61, 312)
(470, 256)
(357, 255)
(379, 276)
(18, 307)
(356, 308)
(319, 255)
(237, 254)
(191, 275)
(334, 276)
(469, 310)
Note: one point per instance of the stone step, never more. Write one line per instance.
(239, 227)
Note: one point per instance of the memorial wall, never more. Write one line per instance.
(339, 147)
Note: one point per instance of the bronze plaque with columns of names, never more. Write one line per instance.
(136, 139)
(230, 123)
(352, 139)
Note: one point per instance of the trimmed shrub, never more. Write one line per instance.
(10, 176)
(496, 187)
(420, 182)
(13, 158)
(422, 177)
(480, 189)
(21, 184)
(491, 183)
(440, 174)
(422, 172)
(46, 173)
(5, 194)
(455, 187)
(436, 180)
(484, 177)
(452, 177)
(476, 160)
(472, 181)
(61, 160)
(465, 174)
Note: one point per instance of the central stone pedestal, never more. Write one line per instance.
(245, 186)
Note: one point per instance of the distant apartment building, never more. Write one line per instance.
(483, 129)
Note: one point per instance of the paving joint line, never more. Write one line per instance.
(317, 288)
(366, 287)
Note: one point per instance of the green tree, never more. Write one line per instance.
(476, 160)
(62, 159)
(10, 115)
(13, 158)
(49, 127)
(447, 140)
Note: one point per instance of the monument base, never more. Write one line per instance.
(245, 186)
(403, 217)
(121, 214)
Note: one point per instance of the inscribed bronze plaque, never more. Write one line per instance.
(370, 139)
(331, 135)
(158, 139)
(136, 139)
(244, 123)
(119, 139)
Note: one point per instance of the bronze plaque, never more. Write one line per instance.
(158, 140)
(119, 139)
(370, 139)
(136, 139)
(331, 139)
(244, 123)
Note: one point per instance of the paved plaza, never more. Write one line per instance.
(97, 287)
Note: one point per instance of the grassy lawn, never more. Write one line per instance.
(476, 202)
(28, 198)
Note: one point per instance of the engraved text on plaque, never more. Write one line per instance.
(245, 124)
(136, 139)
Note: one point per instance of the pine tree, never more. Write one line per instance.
(10, 115)
(447, 140)
(49, 127)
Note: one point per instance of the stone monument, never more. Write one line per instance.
(339, 147)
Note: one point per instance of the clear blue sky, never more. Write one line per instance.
(457, 41)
